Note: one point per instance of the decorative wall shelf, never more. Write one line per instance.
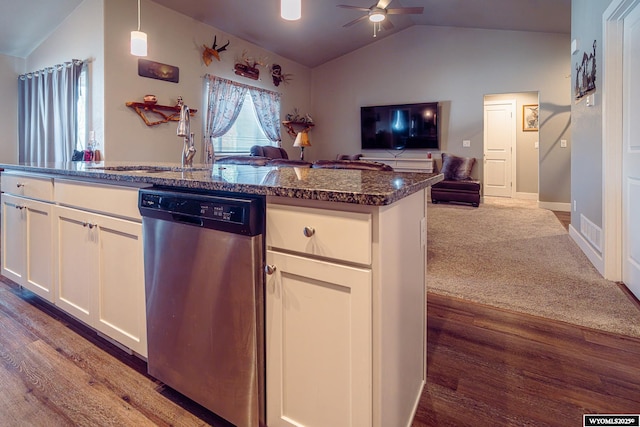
(172, 115)
(294, 127)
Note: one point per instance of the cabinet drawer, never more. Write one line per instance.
(31, 186)
(103, 198)
(415, 165)
(338, 235)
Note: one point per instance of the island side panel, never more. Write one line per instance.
(399, 322)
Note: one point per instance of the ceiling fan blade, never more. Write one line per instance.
(383, 4)
(355, 21)
(405, 11)
(387, 24)
(346, 6)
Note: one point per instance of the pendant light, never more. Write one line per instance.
(291, 10)
(138, 39)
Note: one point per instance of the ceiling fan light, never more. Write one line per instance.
(376, 17)
(291, 10)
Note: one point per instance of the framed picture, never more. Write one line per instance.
(530, 117)
(156, 70)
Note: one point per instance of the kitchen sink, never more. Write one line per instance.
(149, 169)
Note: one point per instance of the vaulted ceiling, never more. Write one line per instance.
(318, 37)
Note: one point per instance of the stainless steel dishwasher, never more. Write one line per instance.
(203, 256)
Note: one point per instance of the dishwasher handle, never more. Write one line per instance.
(186, 219)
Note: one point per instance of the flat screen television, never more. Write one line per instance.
(399, 127)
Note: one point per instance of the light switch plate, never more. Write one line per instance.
(563, 143)
(466, 143)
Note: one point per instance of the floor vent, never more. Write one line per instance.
(591, 232)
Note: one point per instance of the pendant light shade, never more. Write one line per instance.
(138, 39)
(291, 10)
(138, 43)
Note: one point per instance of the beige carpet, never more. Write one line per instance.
(511, 254)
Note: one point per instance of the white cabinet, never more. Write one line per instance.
(405, 164)
(318, 343)
(345, 312)
(99, 263)
(100, 274)
(27, 244)
(78, 244)
(26, 232)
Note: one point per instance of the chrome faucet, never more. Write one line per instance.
(184, 130)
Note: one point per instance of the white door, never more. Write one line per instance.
(121, 312)
(77, 272)
(14, 238)
(631, 155)
(318, 338)
(499, 137)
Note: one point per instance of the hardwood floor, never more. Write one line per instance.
(55, 372)
(564, 218)
(486, 367)
(491, 367)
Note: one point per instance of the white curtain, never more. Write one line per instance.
(224, 101)
(47, 113)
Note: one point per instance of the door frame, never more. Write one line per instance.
(612, 135)
(514, 114)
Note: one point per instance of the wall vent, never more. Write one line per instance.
(591, 232)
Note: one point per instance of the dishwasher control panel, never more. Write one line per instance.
(203, 209)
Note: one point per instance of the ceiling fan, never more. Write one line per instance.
(378, 14)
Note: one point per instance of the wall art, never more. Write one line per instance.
(530, 117)
(213, 52)
(156, 70)
(586, 75)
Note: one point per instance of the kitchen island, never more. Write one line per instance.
(345, 291)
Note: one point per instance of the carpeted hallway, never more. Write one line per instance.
(511, 254)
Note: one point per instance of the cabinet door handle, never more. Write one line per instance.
(20, 184)
(309, 231)
(270, 269)
(20, 207)
(91, 225)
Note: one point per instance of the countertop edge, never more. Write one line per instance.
(329, 195)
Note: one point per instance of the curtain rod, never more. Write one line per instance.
(50, 69)
(211, 76)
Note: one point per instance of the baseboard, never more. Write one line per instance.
(594, 257)
(555, 206)
(526, 196)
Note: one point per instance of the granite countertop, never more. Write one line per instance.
(335, 185)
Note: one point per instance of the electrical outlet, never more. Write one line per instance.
(466, 143)
(536, 145)
(563, 143)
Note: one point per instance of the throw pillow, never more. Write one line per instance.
(457, 168)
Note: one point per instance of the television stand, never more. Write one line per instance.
(405, 164)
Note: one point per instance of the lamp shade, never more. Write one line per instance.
(138, 43)
(302, 140)
(291, 10)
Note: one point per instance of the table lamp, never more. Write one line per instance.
(302, 140)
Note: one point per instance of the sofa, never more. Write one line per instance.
(268, 151)
(457, 186)
(351, 164)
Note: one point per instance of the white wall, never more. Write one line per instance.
(177, 40)
(457, 67)
(80, 36)
(10, 68)
(586, 162)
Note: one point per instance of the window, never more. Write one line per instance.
(238, 117)
(244, 133)
(50, 117)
